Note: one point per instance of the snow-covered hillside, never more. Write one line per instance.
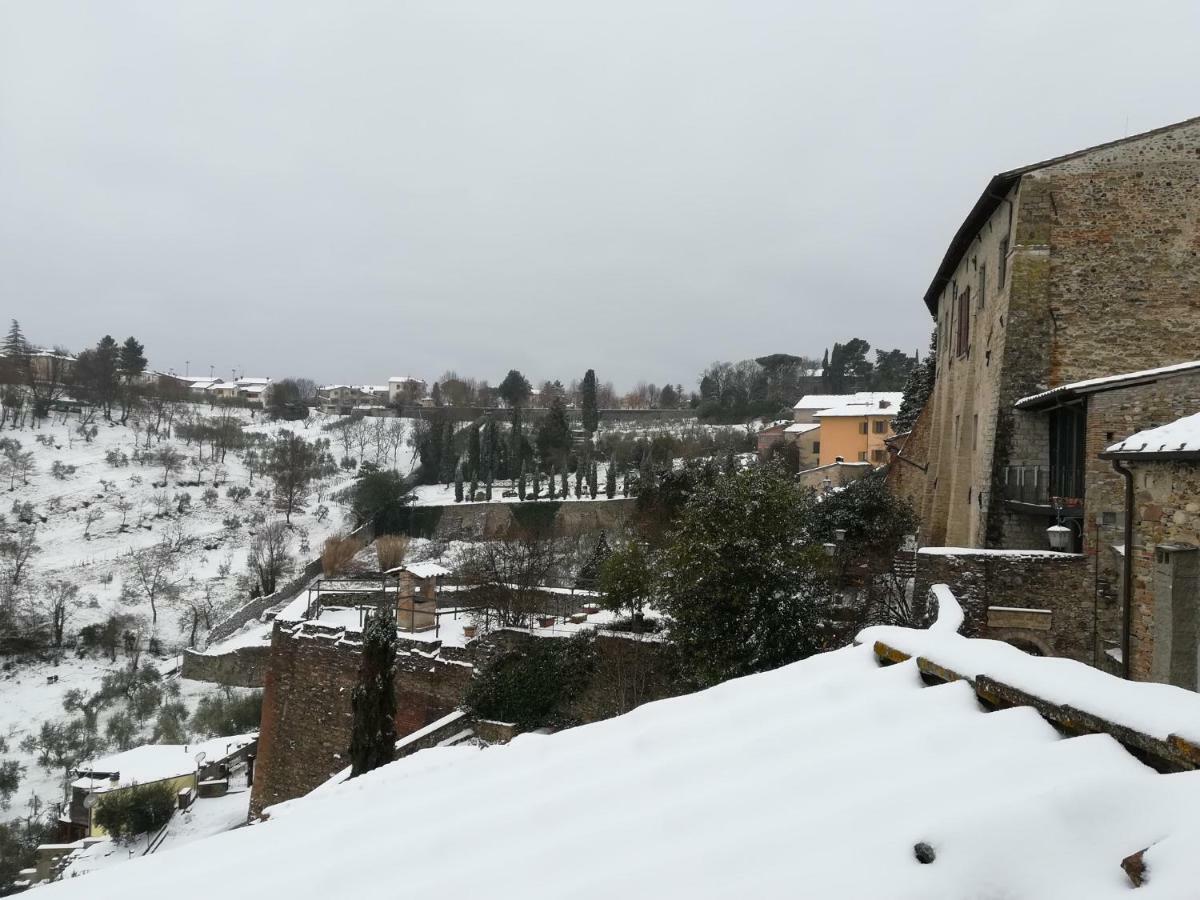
(93, 507)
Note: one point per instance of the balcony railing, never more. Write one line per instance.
(1037, 485)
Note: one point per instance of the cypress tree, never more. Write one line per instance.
(550, 483)
(566, 487)
(610, 479)
(537, 482)
(521, 483)
(474, 451)
(515, 456)
(591, 413)
(372, 702)
(593, 479)
(579, 466)
(458, 482)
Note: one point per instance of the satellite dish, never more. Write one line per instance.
(200, 757)
(89, 801)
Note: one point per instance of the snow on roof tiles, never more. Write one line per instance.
(155, 762)
(828, 401)
(816, 780)
(801, 427)
(1108, 382)
(1179, 437)
(880, 404)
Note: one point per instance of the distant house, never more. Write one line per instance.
(201, 385)
(856, 429)
(806, 436)
(180, 765)
(405, 389)
(334, 397)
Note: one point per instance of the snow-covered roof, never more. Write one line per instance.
(405, 379)
(815, 780)
(801, 427)
(154, 762)
(1107, 383)
(1178, 438)
(884, 403)
(828, 401)
(250, 382)
(202, 384)
(421, 570)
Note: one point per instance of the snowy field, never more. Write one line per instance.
(88, 523)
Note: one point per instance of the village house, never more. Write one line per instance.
(804, 436)
(1065, 322)
(855, 429)
(1064, 270)
(405, 389)
(183, 766)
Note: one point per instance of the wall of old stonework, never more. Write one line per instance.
(1043, 601)
(1167, 511)
(306, 720)
(1113, 416)
(486, 521)
(240, 667)
(906, 471)
(1103, 279)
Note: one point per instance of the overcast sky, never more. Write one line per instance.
(351, 190)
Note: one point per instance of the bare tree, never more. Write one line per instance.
(58, 600)
(197, 613)
(152, 577)
(91, 517)
(17, 548)
(268, 558)
(508, 576)
(15, 462)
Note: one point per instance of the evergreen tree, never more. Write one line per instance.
(537, 482)
(488, 450)
(436, 394)
(625, 483)
(131, 360)
(591, 412)
(521, 484)
(373, 701)
(565, 487)
(610, 479)
(516, 455)
(917, 389)
(458, 482)
(16, 355)
(550, 486)
(474, 451)
(593, 479)
(449, 457)
(580, 465)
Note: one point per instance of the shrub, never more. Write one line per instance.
(337, 552)
(531, 686)
(137, 810)
(237, 493)
(210, 497)
(391, 549)
(220, 715)
(61, 470)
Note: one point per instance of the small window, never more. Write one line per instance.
(1002, 268)
(862, 427)
(879, 426)
(982, 289)
(957, 430)
(816, 446)
(879, 456)
(975, 433)
(962, 333)
(862, 455)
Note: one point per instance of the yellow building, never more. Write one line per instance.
(855, 430)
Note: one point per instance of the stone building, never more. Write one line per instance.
(1063, 271)
(1160, 468)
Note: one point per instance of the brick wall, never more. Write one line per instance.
(306, 720)
(982, 580)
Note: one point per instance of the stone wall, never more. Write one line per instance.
(486, 521)
(1167, 511)
(306, 719)
(305, 731)
(240, 667)
(1039, 601)
(907, 470)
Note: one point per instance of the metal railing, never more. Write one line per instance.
(1038, 485)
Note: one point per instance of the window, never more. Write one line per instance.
(816, 446)
(862, 427)
(975, 433)
(962, 334)
(879, 426)
(982, 289)
(862, 455)
(1002, 269)
(879, 456)
(957, 430)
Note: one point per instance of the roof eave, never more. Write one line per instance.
(1155, 456)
